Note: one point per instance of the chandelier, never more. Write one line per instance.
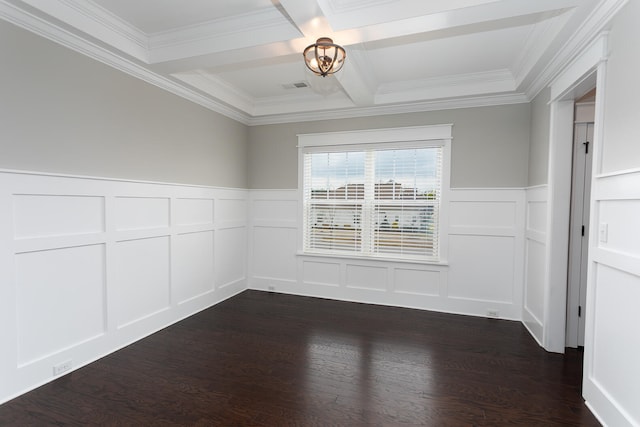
(324, 57)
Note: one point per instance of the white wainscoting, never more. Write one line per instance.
(484, 271)
(612, 343)
(89, 265)
(535, 269)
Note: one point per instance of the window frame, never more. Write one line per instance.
(387, 138)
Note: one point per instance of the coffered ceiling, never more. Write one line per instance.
(243, 58)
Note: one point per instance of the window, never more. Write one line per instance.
(377, 199)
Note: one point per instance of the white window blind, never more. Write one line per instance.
(375, 201)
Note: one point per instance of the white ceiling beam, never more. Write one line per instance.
(228, 34)
(307, 16)
(343, 15)
(487, 13)
(356, 78)
(304, 15)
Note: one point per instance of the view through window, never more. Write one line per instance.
(377, 202)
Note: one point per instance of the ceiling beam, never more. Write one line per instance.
(483, 14)
(309, 19)
(356, 78)
(307, 16)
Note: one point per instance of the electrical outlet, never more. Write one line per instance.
(62, 367)
(493, 313)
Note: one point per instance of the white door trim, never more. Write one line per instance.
(574, 81)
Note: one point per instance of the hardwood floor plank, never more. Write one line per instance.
(275, 360)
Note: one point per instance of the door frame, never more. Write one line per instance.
(583, 74)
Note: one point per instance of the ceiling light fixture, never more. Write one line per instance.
(324, 57)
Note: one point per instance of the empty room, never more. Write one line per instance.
(319, 212)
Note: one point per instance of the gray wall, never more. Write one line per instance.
(65, 113)
(490, 145)
(539, 149)
(621, 148)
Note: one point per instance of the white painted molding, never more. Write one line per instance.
(247, 30)
(218, 88)
(537, 43)
(357, 82)
(558, 207)
(73, 41)
(102, 178)
(127, 39)
(188, 241)
(533, 325)
(374, 136)
(258, 115)
(534, 280)
(449, 86)
(389, 282)
(538, 186)
(380, 110)
(98, 22)
(605, 381)
(592, 26)
(580, 68)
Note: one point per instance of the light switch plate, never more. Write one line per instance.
(604, 232)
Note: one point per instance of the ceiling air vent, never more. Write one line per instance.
(298, 85)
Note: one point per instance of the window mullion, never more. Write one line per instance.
(368, 208)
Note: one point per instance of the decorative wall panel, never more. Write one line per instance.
(321, 273)
(142, 284)
(60, 299)
(535, 278)
(88, 265)
(612, 342)
(486, 246)
(193, 265)
(274, 252)
(367, 277)
(482, 268)
(193, 211)
(139, 213)
(53, 215)
(231, 256)
(417, 282)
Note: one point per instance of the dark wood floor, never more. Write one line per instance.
(270, 359)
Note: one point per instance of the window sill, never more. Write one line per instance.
(373, 258)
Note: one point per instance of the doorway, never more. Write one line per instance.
(571, 86)
(584, 117)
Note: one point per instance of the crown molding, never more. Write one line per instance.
(538, 41)
(37, 25)
(382, 110)
(454, 80)
(28, 17)
(97, 22)
(109, 21)
(460, 85)
(595, 23)
(218, 89)
(283, 106)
